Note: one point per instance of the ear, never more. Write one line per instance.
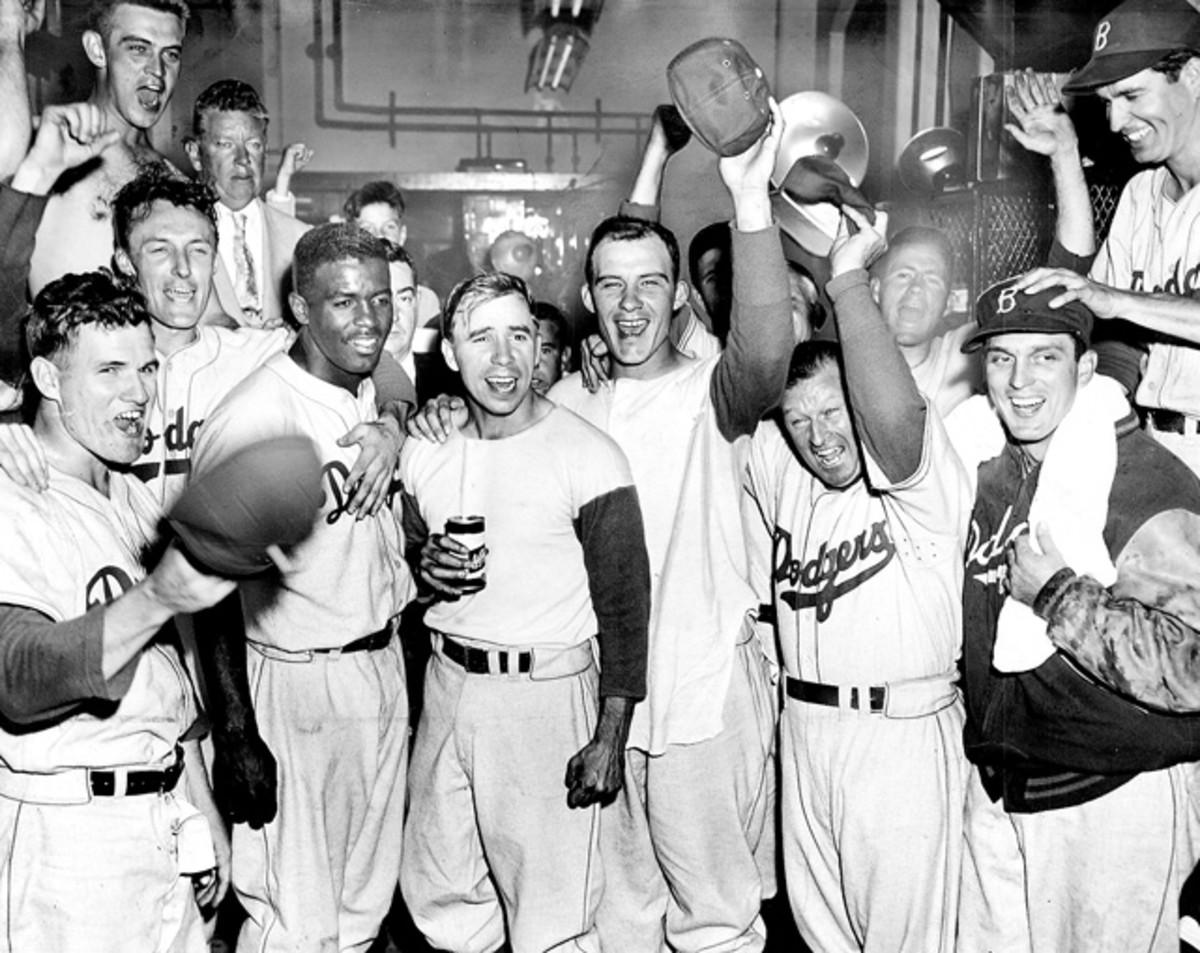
(448, 353)
(586, 294)
(403, 234)
(564, 359)
(191, 145)
(123, 264)
(299, 308)
(93, 46)
(45, 376)
(1190, 74)
(1086, 368)
(681, 295)
(875, 286)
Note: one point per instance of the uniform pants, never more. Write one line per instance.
(1103, 876)
(320, 877)
(872, 827)
(684, 843)
(491, 848)
(99, 877)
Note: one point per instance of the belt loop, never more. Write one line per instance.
(514, 663)
(120, 781)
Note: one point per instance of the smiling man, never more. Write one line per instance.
(1145, 66)
(135, 47)
(688, 828)
(866, 504)
(97, 752)
(227, 150)
(319, 650)
(497, 844)
(1077, 812)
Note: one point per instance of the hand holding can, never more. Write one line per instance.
(468, 532)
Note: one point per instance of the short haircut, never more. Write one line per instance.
(918, 235)
(545, 311)
(331, 242)
(227, 96)
(712, 237)
(622, 228)
(1173, 62)
(398, 254)
(373, 193)
(810, 357)
(76, 300)
(99, 12)
(134, 202)
(468, 295)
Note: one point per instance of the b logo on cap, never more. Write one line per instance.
(1006, 301)
(1101, 36)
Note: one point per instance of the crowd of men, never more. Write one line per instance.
(786, 588)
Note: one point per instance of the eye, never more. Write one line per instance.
(998, 359)
(255, 146)
(172, 57)
(138, 49)
(609, 285)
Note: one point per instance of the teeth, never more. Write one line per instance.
(180, 294)
(503, 384)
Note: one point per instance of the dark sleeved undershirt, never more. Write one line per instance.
(888, 409)
(1060, 257)
(752, 370)
(20, 215)
(392, 384)
(609, 527)
(49, 668)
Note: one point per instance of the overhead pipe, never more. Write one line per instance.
(394, 119)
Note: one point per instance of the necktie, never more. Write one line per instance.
(245, 281)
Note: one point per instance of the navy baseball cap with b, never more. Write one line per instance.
(1002, 309)
(1133, 37)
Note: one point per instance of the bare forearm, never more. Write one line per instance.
(1159, 311)
(1074, 227)
(14, 102)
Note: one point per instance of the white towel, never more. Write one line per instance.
(1071, 500)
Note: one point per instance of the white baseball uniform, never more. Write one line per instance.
(491, 848)
(322, 874)
(1153, 244)
(83, 872)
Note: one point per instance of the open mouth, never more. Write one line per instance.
(150, 98)
(830, 457)
(502, 385)
(130, 422)
(631, 327)
(179, 295)
(1026, 406)
(365, 343)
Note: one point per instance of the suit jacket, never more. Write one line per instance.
(281, 232)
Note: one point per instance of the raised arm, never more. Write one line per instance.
(1043, 126)
(752, 370)
(50, 668)
(889, 412)
(17, 20)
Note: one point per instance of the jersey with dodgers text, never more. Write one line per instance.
(1153, 244)
(68, 550)
(349, 577)
(867, 580)
(191, 382)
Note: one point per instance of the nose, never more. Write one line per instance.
(180, 266)
(1020, 376)
(138, 389)
(819, 434)
(241, 154)
(630, 299)
(502, 352)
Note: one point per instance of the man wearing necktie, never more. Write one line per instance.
(254, 242)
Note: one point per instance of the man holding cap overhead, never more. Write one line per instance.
(1076, 833)
(1145, 65)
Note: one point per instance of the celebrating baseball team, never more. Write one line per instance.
(787, 588)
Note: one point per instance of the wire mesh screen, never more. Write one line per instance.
(1104, 202)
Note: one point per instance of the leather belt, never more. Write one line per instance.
(479, 661)
(368, 643)
(766, 613)
(815, 693)
(130, 783)
(1172, 421)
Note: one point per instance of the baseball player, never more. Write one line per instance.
(319, 650)
(866, 504)
(494, 845)
(1078, 815)
(96, 761)
(1145, 65)
(693, 809)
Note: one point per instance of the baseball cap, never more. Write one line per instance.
(721, 93)
(1133, 37)
(1002, 309)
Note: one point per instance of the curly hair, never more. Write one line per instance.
(468, 295)
(76, 300)
(133, 203)
(332, 242)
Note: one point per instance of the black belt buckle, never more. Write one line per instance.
(1170, 421)
(875, 702)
